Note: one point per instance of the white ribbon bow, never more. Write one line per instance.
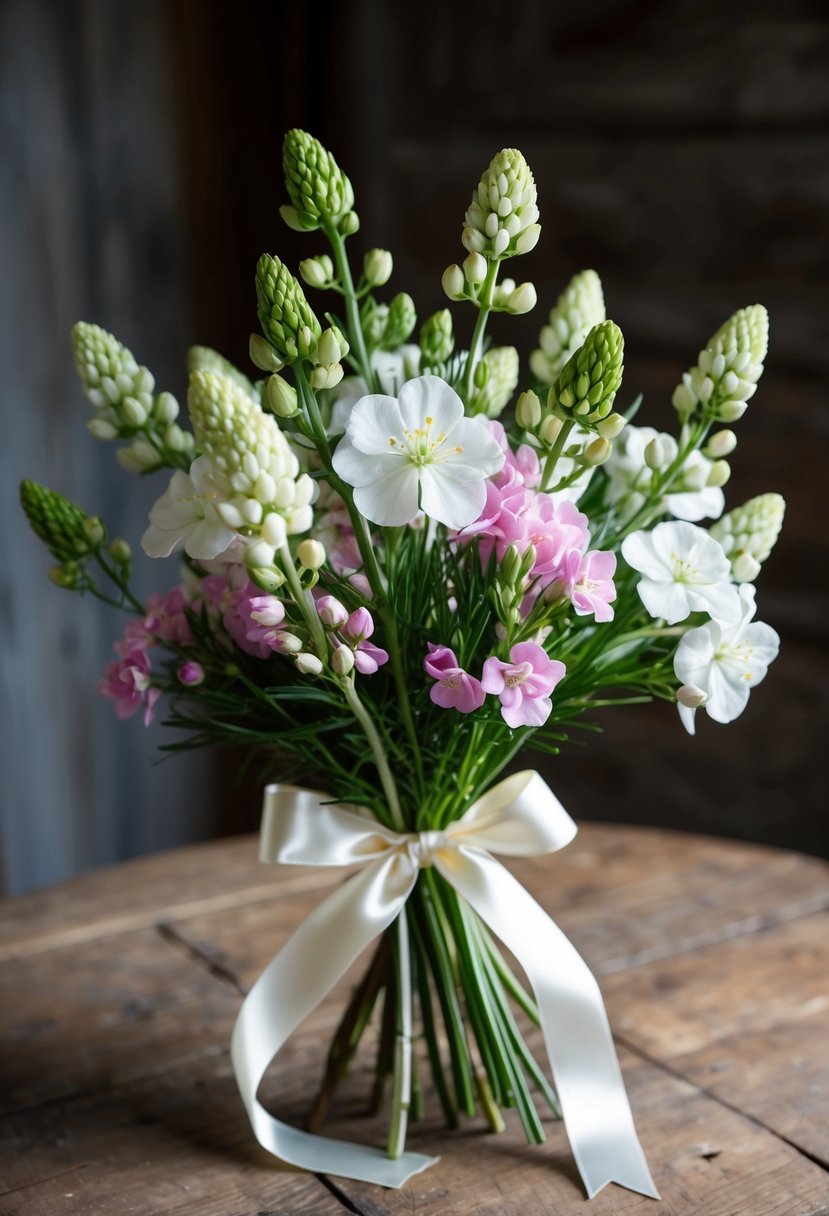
(518, 817)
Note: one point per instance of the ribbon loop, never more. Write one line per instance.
(520, 816)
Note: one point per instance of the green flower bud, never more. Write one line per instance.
(474, 268)
(308, 664)
(611, 426)
(750, 532)
(400, 321)
(321, 377)
(502, 219)
(286, 317)
(280, 397)
(453, 282)
(719, 473)
(727, 371)
(350, 223)
(377, 267)
(437, 340)
(342, 660)
(499, 371)
(165, 408)
(67, 575)
(596, 452)
(522, 300)
(263, 355)
(528, 411)
(588, 382)
(311, 554)
(94, 531)
(120, 390)
(120, 552)
(139, 457)
(318, 189)
(317, 272)
(102, 429)
(331, 347)
(721, 444)
(59, 523)
(579, 307)
(655, 453)
(551, 426)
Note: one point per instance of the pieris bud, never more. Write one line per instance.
(596, 452)
(350, 223)
(101, 428)
(317, 272)
(377, 267)
(280, 397)
(175, 438)
(342, 661)
(120, 551)
(474, 268)
(655, 453)
(719, 473)
(522, 300)
(94, 530)
(308, 664)
(611, 426)
(745, 568)
(326, 377)
(528, 411)
(549, 430)
(263, 356)
(453, 282)
(165, 408)
(311, 554)
(721, 444)
(268, 578)
(259, 554)
(133, 411)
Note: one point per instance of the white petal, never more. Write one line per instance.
(429, 396)
(454, 503)
(686, 717)
(373, 421)
(390, 500)
(720, 600)
(727, 694)
(360, 469)
(700, 504)
(695, 654)
(638, 552)
(666, 600)
(765, 645)
(208, 539)
(480, 454)
(158, 542)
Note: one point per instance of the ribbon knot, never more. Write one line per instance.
(520, 817)
(423, 846)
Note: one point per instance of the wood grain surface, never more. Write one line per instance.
(118, 992)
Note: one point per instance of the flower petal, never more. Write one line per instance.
(391, 499)
(372, 422)
(454, 503)
(429, 396)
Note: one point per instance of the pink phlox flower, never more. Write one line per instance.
(190, 673)
(455, 688)
(355, 632)
(523, 685)
(126, 682)
(232, 604)
(521, 467)
(593, 588)
(166, 618)
(261, 615)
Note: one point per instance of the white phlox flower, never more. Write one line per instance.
(185, 517)
(683, 570)
(725, 661)
(630, 479)
(417, 452)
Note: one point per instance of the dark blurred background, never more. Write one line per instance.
(681, 149)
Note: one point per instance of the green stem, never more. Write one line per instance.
(484, 309)
(304, 602)
(122, 586)
(377, 750)
(554, 453)
(402, 1090)
(420, 967)
(352, 311)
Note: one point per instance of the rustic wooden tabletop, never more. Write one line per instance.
(118, 992)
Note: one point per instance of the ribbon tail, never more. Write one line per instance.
(588, 1080)
(320, 951)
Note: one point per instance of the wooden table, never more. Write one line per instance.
(118, 992)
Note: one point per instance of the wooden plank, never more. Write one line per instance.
(746, 1020)
(178, 1143)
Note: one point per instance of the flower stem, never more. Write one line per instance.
(352, 311)
(377, 750)
(554, 453)
(402, 1091)
(484, 309)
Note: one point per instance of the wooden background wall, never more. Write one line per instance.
(680, 148)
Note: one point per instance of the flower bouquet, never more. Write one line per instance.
(388, 582)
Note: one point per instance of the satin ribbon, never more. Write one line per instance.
(518, 817)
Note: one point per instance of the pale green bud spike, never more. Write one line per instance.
(749, 532)
(588, 382)
(228, 423)
(499, 370)
(437, 341)
(317, 272)
(502, 218)
(204, 358)
(400, 321)
(59, 523)
(287, 320)
(318, 189)
(579, 307)
(120, 390)
(727, 371)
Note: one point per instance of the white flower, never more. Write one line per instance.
(185, 516)
(725, 661)
(684, 570)
(392, 368)
(690, 498)
(418, 451)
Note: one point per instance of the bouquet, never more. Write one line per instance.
(389, 580)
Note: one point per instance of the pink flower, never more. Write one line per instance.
(521, 467)
(367, 656)
(331, 612)
(166, 618)
(594, 588)
(455, 688)
(523, 685)
(126, 681)
(191, 674)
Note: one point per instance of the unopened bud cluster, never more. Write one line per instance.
(66, 530)
(319, 191)
(579, 307)
(327, 371)
(725, 377)
(388, 326)
(126, 405)
(437, 340)
(586, 386)
(287, 319)
(749, 532)
(204, 358)
(266, 497)
(502, 218)
(510, 583)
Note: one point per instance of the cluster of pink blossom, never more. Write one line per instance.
(523, 685)
(352, 630)
(517, 513)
